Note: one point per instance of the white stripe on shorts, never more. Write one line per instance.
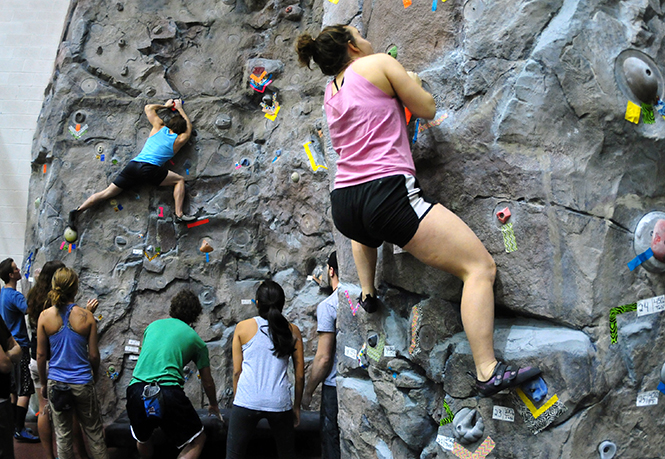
(418, 204)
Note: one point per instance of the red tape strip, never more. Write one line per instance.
(199, 223)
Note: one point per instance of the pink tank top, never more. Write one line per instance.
(368, 132)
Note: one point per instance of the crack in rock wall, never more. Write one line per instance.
(530, 116)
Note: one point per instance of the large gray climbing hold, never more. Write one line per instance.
(662, 374)
(607, 450)
(641, 79)
(468, 426)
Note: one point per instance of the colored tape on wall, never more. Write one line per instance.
(536, 412)
(483, 450)
(614, 312)
(509, 238)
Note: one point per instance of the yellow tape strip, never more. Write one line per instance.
(536, 412)
(315, 167)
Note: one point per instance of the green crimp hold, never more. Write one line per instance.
(614, 312)
(393, 52)
(647, 114)
(449, 418)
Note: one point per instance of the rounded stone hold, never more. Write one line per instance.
(295, 177)
(373, 340)
(38, 201)
(607, 450)
(150, 92)
(79, 117)
(111, 369)
(100, 50)
(124, 71)
(662, 374)
(468, 426)
(536, 389)
(100, 148)
(157, 30)
(643, 239)
(641, 79)
(119, 6)
(119, 240)
(122, 42)
(71, 235)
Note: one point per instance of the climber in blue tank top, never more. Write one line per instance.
(170, 132)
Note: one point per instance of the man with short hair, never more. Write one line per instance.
(13, 308)
(168, 345)
(10, 355)
(170, 132)
(324, 367)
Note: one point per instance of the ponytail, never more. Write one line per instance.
(64, 287)
(270, 301)
(329, 50)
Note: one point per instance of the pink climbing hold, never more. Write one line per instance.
(503, 215)
(658, 241)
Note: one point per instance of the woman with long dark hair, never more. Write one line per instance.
(262, 346)
(37, 302)
(68, 334)
(377, 197)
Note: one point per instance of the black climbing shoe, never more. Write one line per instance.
(504, 377)
(185, 218)
(370, 304)
(72, 218)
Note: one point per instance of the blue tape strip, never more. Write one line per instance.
(415, 134)
(433, 5)
(641, 258)
(661, 387)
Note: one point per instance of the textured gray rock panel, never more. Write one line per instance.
(530, 97)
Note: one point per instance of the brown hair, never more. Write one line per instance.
(64, 287)
(173, 120)
(185, 306)
(329, 50)
(37, 296)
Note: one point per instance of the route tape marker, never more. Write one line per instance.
(536, 412)
(641, 258)
(414, 329)
(315, 167)
(199, 223)
(376, 352)
(509, 238)
(483, 450)
(614, 312)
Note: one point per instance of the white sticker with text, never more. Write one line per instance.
(446, 443)
(651, 305)
(503, 413)
(647, 398)
(246, 301)
(389, 351)
(131, 349)
(350, 352)
(134, 342)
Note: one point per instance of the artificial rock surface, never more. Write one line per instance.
(530, 116)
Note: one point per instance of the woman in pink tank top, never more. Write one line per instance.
(377, 198)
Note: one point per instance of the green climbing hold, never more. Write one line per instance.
(392, 51)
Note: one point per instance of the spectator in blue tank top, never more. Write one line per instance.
(261, 350)
(170, 132)
(68, 333)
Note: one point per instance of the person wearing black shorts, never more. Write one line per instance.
(168, 135)
(377, 198)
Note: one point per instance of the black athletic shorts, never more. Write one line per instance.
(387, 209)
(137, 173)
(180, 421)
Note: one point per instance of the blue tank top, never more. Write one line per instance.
(69, 354)
(158, 148)
(263, 383)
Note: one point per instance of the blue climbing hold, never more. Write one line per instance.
(535, 389)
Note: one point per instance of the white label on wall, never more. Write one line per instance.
(389, 351)
(137, 252)
(647, 398)
(31, 279)
(131, 349)
(503, 413)
(133, 357)
(350, 352)
(446, 443)
(134, 342)
(245, 301)
(651, 305)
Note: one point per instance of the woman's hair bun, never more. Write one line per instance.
(306, 49)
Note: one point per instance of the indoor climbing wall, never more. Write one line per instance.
(546, 142)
